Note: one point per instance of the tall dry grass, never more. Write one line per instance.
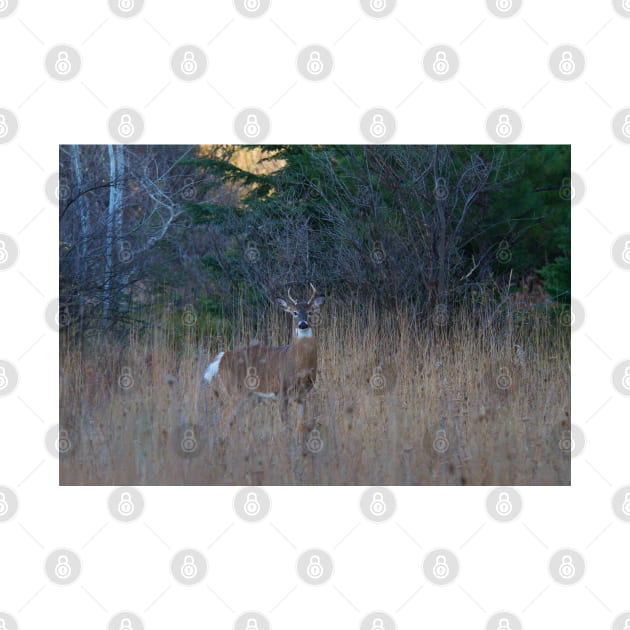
(395, 403)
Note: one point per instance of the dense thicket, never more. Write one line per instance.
(195, 226)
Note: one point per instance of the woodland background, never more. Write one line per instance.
(213, 227)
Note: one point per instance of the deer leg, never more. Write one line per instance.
(283, 408)
(300, 424)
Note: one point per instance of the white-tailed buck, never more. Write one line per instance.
(279, 373)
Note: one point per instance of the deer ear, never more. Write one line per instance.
(317, 302)
(283, 304)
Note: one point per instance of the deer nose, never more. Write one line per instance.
(302, 325)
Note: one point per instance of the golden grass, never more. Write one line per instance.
(394, 404)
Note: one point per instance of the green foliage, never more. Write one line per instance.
(557, 274)
(505, 215)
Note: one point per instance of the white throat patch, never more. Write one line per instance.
(304, 333)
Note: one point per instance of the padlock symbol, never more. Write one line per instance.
(625, 381)
(377, 126)
(63, 443)
(314, 64)
(126, 506)
(378, 624)
(440, 568)
(62, 64)
(504, 505)
(314, 570)
(189, 568)
(189, 63)
(189, 443)
(503, 624)
(440, 63)
(4, 128)
(567, 443)
(4, 506)
(504, 126)
(504, 5)
(3, 625)
(377, 505)
(625, 254)
(125, 624)
(252, 624)
(567, 191)
(625, 129)
(62, 569)
(378, 5)
(252, 5)
(252, 127)
(567, 568)
(126, 5)
(252, 379)
(4, 381)
(567, 64)
(125, 126)
(625, 506)
(315, 443)
(252, 504)
(626, 7)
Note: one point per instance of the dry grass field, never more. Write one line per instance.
(394, 404)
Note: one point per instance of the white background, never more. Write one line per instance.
(251, 62)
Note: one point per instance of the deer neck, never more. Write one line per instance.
(303, 347)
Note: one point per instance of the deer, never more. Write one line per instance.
(278, 373)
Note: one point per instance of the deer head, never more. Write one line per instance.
(301, 312)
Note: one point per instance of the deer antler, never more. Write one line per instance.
(313, 293)
(294, 302)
